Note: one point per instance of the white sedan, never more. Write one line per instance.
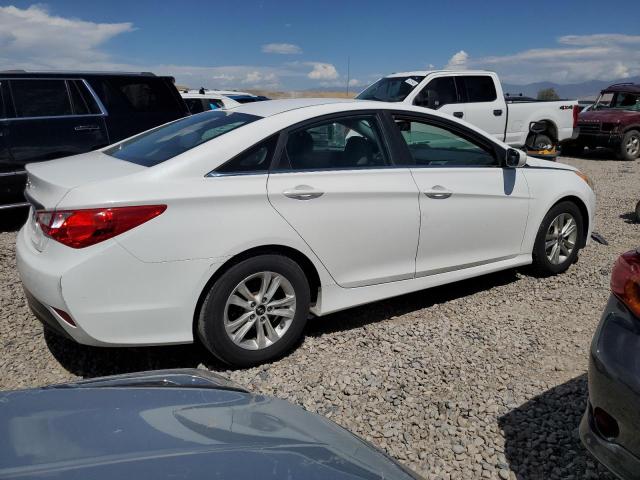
(231, 227)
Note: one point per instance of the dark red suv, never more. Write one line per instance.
(612, 122)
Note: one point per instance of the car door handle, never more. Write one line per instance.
(497, 113)
(82, 128)
(458, 114)
(303, 192)
(438, 192)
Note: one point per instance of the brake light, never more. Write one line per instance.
(82, 228)
(625, 280)
(576, 111)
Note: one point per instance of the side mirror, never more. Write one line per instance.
(515, 158)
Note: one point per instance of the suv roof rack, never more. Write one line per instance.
(80, 72)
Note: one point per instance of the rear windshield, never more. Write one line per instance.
(391, 89)
(167, 141)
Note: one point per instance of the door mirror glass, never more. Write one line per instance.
(515, 158)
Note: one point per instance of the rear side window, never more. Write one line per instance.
(255, 160)
(83, 101)
(167, 141)
(478, 88)
(40, 98)
(438, 92)
(143, 94)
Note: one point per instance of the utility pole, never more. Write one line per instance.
(348, 73)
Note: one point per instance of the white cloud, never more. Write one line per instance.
(577, 58)
(49, 41)
(354, 82)
(458, 61)
(322, 71)
(282, 48)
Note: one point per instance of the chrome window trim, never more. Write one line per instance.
(101, 107)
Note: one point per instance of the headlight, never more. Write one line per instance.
(586, 178)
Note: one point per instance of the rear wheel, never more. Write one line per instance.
(540, 142)
(558, 239)
(630, 145)
(256, 311)
(638, 212)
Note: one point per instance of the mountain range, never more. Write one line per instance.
(583, 90)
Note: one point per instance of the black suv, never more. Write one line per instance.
(51, 115)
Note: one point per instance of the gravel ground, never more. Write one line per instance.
(482, 378)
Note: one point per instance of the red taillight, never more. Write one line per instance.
(625, 280)
(576, 111)
(81, 228)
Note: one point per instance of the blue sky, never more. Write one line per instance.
(304, 44)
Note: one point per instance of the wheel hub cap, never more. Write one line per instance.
(561, 237)
(259, 310)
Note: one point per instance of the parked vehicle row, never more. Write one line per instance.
(223, 224)
(477, 97)
(44, 116)
(201, 102)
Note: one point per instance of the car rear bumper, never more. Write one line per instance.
(614, 387)
(113, 298)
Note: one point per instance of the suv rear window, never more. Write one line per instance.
(167, 141)
(40, 98)
(144, 95)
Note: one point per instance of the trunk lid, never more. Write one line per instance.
(48, 182)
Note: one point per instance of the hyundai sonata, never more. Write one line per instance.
(232, 227)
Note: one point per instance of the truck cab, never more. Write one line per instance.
(476, 96)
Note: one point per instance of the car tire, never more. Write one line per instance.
(630, 146)
(540, 142)
(230, 322)
(572, 150)
(638, 212)
(552, 245)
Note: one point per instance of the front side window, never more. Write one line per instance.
(391, 89)
(438, 92)
(478, 88)
(40, 98)
(350, 142)
(619, 100)
(431, 145)
(167, 141)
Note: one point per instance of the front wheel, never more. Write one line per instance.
(256, 311)
(558, 239)
(630, 145)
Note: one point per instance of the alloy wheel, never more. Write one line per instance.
(259, 310)
(633, 145)
(560, 239)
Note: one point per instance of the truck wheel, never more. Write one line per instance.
(630, 146)
(572, 150)
(540, 142)
(638, 212)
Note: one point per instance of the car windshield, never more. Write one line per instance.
(618, 100)
(167, 141)
(391, 89)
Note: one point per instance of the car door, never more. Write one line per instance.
(334, 184)
(441, 93)
(483, 108)
(50, 122)
(473, 211)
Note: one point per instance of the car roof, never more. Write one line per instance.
(268, 108)
(424, 73)
(623, 87)
(74, 73)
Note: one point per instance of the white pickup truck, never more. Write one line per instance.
(477, 97)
